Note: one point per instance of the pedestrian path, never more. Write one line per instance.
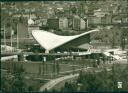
(53, 82)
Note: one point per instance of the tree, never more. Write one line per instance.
(101, 81)
(18, 81)
(74, 10)
(80, 78)
(30, 88)
(69, 87)
(14, 82)
(5, 84)
(124, 38)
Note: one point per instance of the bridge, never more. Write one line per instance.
(11, 55)
(46, 54)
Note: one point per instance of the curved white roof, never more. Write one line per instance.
(50, 41)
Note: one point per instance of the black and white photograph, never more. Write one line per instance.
(64, 46)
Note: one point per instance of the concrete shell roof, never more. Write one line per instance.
(50, 40)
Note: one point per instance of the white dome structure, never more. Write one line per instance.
(30, 22)
(50, 41)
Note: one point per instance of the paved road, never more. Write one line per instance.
(53, 82)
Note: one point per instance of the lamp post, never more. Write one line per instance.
(125, 40)
(127, 58)
(44, 60)
(4, 36)
(12, 33)
(86, 21)
(17, 38)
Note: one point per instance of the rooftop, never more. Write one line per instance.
(50, 41)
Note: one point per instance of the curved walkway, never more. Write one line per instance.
(53, 82)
